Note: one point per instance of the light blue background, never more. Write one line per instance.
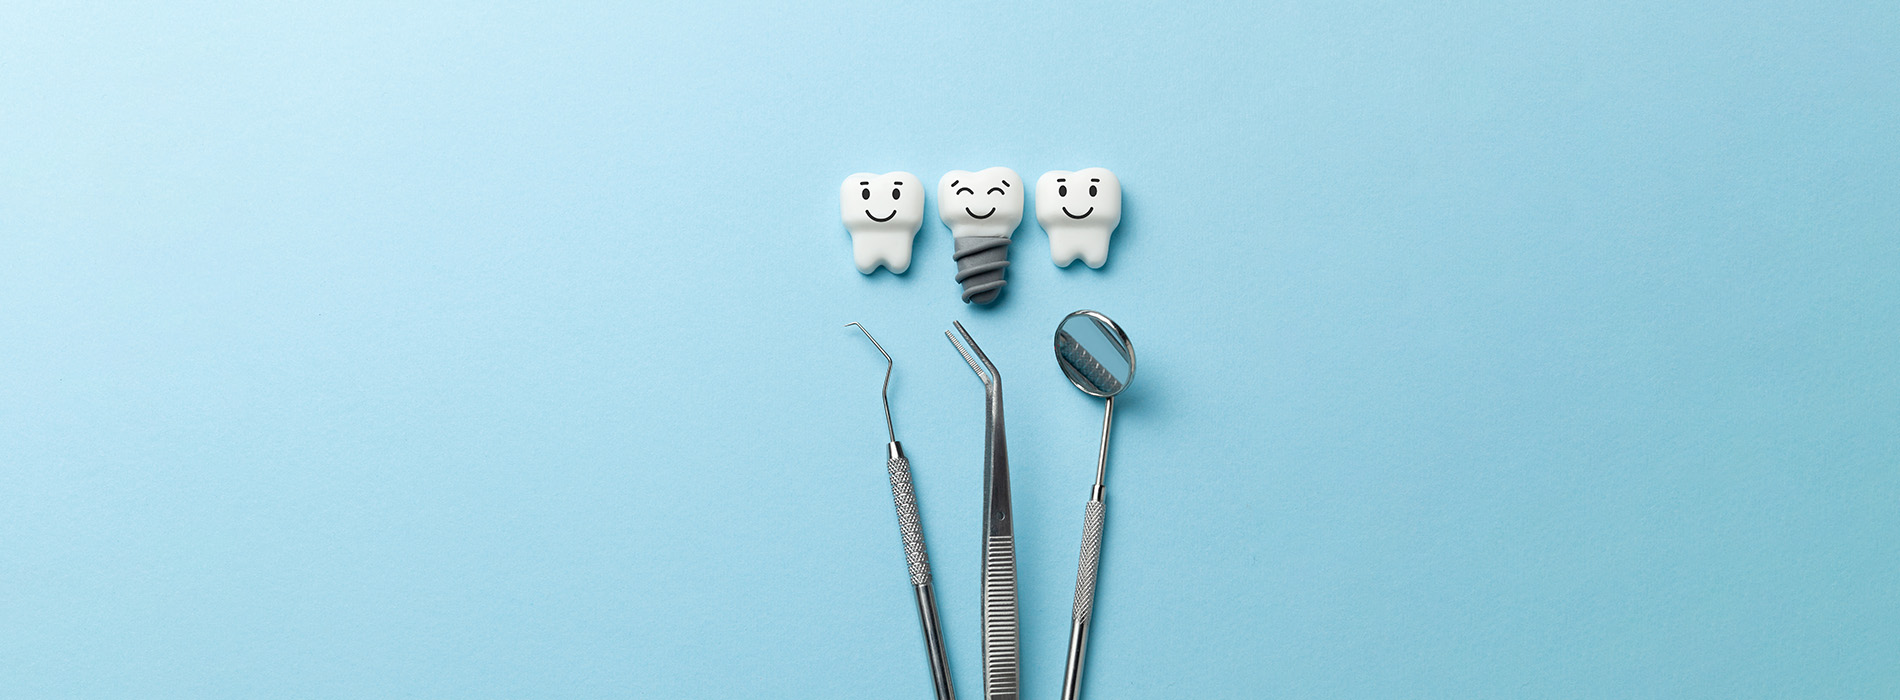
(443, 350)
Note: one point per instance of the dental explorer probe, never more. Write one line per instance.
(1001, 662)
(912, 527)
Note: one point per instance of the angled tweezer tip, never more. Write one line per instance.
(974, 367)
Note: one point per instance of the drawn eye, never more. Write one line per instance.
(896, 193)
(996, 190)
(964, 190)
(1062, 191)
(1091, 190)
(867, 193)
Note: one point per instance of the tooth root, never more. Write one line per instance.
(873, 248)
(898, 258)
(1067, 245)
(1061, 252)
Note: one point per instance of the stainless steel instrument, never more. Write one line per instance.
(1001, 662)
(1095, 355)
(910, 524)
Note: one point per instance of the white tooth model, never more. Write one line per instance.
(1079, 210)
(883, 213)
(982, 209)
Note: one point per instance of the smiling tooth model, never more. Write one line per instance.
(1079, 210)
(883, 213)
(982, 209)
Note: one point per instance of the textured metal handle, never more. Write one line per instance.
(905, 498)
(1000, 661)
(1084, 596)
(1091, 556)
(912, 526)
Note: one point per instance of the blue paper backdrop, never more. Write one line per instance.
(476, 350)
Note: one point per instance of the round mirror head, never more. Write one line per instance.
(1094, 353)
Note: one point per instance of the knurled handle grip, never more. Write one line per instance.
(1091, 557)
(912, 526)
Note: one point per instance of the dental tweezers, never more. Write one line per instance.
(1000, 657)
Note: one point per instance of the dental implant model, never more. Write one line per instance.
(883, 213)
(981, 209)
(1079, 210)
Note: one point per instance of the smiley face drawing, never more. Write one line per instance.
(883, 213)
(1079, 210)
(988, 202)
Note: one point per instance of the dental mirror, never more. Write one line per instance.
(1095, 355)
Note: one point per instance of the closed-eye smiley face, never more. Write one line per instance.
(1001, 188)
(892, 201)
(988, 202)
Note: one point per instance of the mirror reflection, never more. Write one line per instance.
(1094, 353)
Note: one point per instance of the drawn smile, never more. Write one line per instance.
(887, 217)
(1083, 215)
(983, 215)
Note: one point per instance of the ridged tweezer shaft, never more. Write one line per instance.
(1000, 658)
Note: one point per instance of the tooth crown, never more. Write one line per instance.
(1079, 210)
(883, 213)
(988, 202)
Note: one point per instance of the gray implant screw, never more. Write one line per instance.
(981, 262)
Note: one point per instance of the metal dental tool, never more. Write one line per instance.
(912, 528)
(1000, 658)
(1096, 356)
